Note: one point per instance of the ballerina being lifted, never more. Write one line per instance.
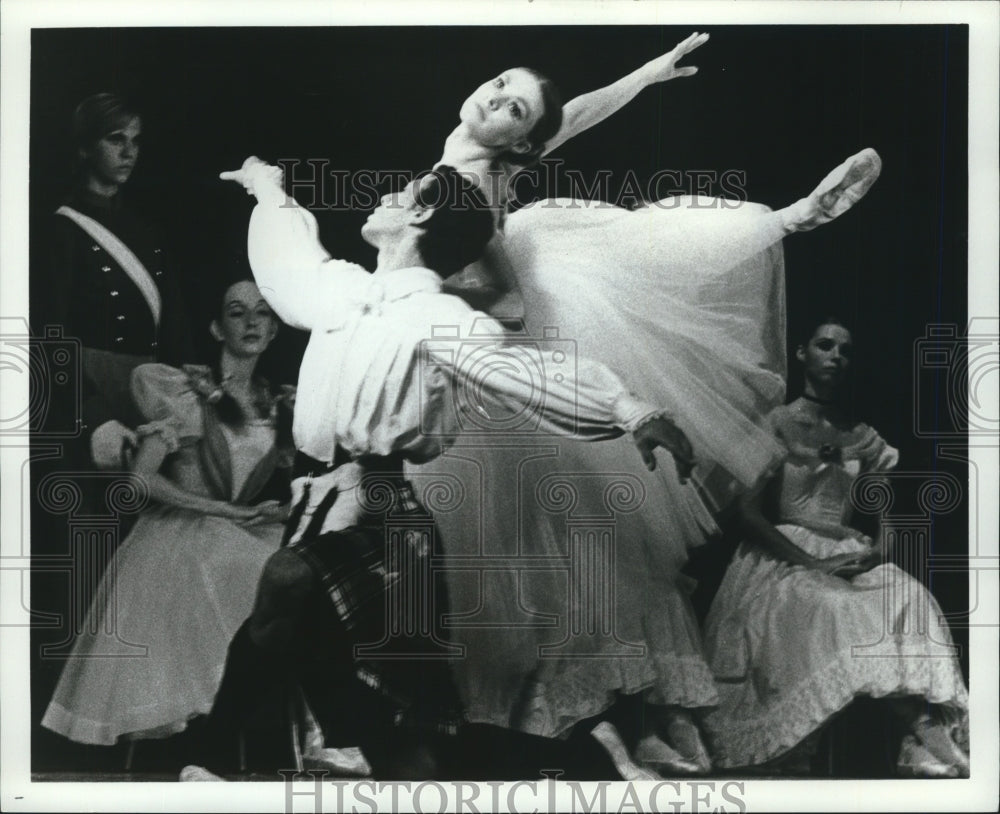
(690, 300)
(685, 299)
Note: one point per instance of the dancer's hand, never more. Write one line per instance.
(664, 68)
(257, 178)
(271, 511)
(662, 432)
(844, 565)
(239, 514)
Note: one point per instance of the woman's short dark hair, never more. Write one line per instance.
(461, 223)
(547, 125)
(98, 115)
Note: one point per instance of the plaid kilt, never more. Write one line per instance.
(388, 604)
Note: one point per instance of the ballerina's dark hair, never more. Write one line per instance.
(227, 409)
(808, 330)
(545, 128)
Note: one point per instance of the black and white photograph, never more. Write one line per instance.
(531, 406)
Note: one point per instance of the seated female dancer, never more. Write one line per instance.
(806, 589)
(686, 300)
(153, 648)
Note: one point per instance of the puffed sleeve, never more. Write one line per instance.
(166, 400)
(873, 452)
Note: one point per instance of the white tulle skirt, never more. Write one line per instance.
(155, 641)
(569, 586)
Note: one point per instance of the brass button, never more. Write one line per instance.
(120, 317)
(114, 293)
(105, 268)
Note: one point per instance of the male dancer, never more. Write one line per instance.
(371, 394)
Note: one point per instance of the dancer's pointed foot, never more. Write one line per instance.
(657, 755)
(937, 740)
(683, 736)
(915, 760)
(836, 193)
(198, 774)
(613, 744)
(347, 761)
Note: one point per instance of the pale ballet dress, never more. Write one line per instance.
(577, 546)
(790, 646)
(154, 644)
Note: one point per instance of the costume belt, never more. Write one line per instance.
(326, 493)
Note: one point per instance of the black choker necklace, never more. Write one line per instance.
(824, 402)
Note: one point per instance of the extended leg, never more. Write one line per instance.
(838, 192)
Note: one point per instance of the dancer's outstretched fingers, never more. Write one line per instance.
(256, 176)
(242, 175)
(665, 67)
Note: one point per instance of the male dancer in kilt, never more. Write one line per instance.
(349, 608)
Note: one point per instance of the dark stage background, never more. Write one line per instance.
(782, 104)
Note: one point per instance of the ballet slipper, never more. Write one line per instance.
(613, 744)
(916, 761)
(198, 774)
(836, 193)
(348, 761)
(937, 740)
(684, 737)
(653, 753)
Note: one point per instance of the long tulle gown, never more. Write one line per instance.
(791, 646)
(568, 586)
(154, 645)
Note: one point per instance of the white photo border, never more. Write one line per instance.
(19, 793)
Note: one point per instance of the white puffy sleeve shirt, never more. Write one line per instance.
(394, 365)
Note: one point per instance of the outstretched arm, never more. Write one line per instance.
(585, 111)
(569, 396)
(296, 275)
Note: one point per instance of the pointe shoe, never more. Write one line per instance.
(916, 761)
(937, 740)
(685, 739)
(198, 774)
(349, 761)
(613, 744)
(836, 193)
(653, 753)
